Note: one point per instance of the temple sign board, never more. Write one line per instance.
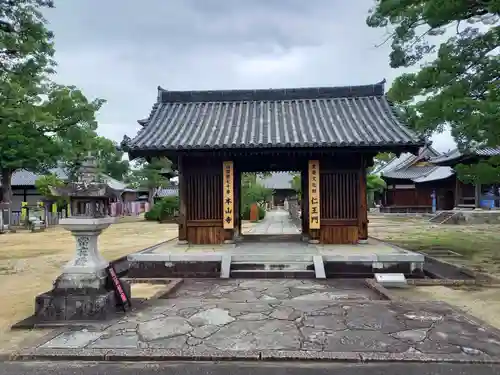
(314, 207)
(228, 195)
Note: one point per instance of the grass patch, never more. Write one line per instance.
(30, 262)
(478, 244)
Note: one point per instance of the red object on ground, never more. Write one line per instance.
(254, 212)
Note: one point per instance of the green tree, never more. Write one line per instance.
(456, 46)
(110, 159)
(296, 184)
(84, 140)
(150, 175)
(381, 160)
(34, 112)
(43, 184)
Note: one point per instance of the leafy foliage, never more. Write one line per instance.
(253, 192)
(83, 140)
(150, 175)
(458, 44)
(35, 113)
(381, 160)
(374, 183)
(296, 184)
(164, 208)
(43, 184)
(484, 172)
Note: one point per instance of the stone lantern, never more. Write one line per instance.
(82, 291)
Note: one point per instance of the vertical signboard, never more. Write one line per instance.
(228, 195)
(314, 219)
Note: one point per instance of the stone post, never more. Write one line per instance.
(82, 291)
(87, 270)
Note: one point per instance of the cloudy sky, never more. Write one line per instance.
(121, 51)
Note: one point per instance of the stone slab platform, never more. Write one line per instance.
(290, 319)
(373, 251)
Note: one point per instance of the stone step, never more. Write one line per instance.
(272, 265)
(273, 274)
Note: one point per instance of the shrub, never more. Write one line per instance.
(245, 212)
(164, 208)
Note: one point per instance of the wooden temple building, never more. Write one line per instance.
(330, 135)
(414, 181)
(471, 195)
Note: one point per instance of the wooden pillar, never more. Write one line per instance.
(182, 201)
(457, 192)
(363, 206)
(477, 196)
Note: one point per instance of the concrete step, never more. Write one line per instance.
(272, 265)
(273, 274)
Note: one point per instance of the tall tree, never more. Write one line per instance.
(453, 46)
(84, 140)
(34, 111)
(150, 175)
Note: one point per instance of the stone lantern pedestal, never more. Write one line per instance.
(83, 291)
(87, 270)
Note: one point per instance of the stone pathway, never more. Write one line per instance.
(275, 222)
(259, 319)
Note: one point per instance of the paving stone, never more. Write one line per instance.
(364, 341)
(215, 317)
(285, 313)
(291, 319)
(325, 322)
(250, 335)
(204, 331)
(178, 342)
(193, 341)
(333, 296)
(72, 340)
(411, 335)
(253, 316)
(187, 312)
(164, 328)
(130, 340)
(375, 318)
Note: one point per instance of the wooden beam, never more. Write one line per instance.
(363, 205)
(477, 196)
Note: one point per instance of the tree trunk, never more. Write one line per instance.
(151, 198)
(6, 184)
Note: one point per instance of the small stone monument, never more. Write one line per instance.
(82, 291)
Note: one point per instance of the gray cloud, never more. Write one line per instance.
(121, 50)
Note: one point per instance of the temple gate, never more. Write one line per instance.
(330, 135)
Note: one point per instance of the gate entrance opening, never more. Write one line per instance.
(329, 135)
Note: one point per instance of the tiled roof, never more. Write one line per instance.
(404, 168)
(421, 174)
(406, 159)
(280, 180)
(23, 177)
(167, 192)
(439, 173)
(456, 154)
(304, 117)
(410, 172)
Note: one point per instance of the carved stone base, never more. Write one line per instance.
(80, 281)
(74, 305)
